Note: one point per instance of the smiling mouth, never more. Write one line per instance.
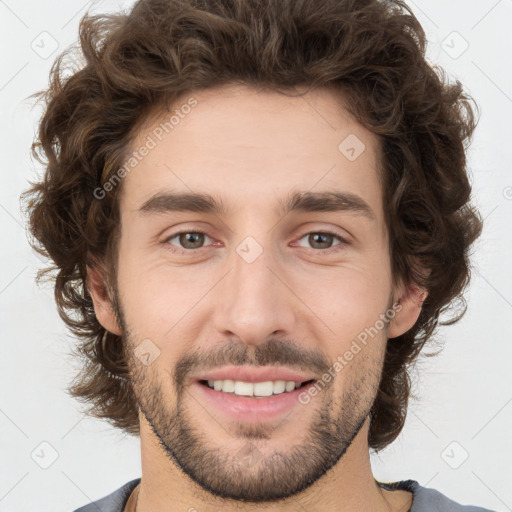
(254, 389)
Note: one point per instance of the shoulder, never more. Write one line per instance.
(114, 502)
(430, 500)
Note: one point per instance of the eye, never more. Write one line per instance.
(324, 240)
(188, 240)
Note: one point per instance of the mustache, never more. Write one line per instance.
(270, 353)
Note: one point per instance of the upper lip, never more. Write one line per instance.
(255, 374)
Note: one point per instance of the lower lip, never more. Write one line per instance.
(251, 409)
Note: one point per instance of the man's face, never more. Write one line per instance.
(252, 294)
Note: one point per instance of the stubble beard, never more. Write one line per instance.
(258, 472)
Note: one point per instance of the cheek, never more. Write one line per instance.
(163, 304)
(348, 299)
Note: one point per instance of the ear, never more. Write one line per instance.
(96, 285)
(410, 298)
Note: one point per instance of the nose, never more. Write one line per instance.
(253, 301)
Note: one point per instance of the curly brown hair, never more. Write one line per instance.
(138, 62)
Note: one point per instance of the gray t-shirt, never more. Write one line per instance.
(424, 499)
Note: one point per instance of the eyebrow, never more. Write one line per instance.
(164, 202)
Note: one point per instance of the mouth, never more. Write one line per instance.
(257, 390)
(252, 395)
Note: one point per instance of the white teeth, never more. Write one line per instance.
(290, 386)
(263, 388)
(279, 387)
(258, 389)
(228, 386)
(243, 388)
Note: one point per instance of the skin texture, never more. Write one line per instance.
(299, 304)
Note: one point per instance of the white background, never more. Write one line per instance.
(465, 394)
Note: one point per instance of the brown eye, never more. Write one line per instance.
(323, 240)
(188, 240)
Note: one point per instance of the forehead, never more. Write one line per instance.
(250, 147)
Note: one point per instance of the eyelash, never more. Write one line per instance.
(343, 241)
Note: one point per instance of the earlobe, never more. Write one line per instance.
(103, 307)
(410, 302)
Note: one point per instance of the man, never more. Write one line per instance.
(257, 211)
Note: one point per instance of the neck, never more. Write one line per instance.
(348, 487)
